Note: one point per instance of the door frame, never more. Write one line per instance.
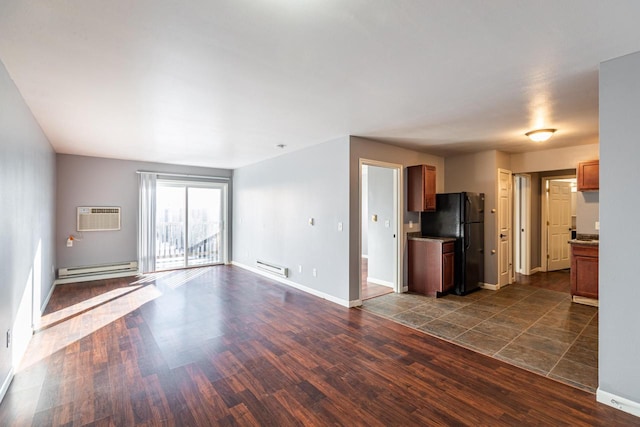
(224, 212)
(398, 203)
(522, 223)
(544, 218)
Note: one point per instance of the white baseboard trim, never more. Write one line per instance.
(489, 286)
(5, 384)
(46, 300)
(405, 289)
(340, 301)
(586, 301)
(380, 282)
(621, 403)
(95, 277)
(534, 271)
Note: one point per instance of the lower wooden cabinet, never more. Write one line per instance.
(431, 266)
(584, 271)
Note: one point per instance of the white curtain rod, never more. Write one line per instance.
(182, 175)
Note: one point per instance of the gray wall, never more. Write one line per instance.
(272, 203)
(381, 242)
(587, 212)
(478, 173)
(94, 181)
(27, 192)
(362, 148)
(619, 370)
(553, 159)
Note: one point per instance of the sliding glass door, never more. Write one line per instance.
(190, 224)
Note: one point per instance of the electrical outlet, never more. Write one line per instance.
(339, 226)
(410, 224)
(315, 272)
(597, 225)
(299, 269)
(387, 223)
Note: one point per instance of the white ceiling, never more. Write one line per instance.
(221, 83)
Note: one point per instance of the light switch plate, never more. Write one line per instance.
(597, 225)
(339, 226)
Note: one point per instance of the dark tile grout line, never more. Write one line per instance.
(572, 343)
(522, 365)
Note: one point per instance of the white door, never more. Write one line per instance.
(505, 252)
(559, 225)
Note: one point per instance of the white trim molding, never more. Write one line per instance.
(492, 287)
(323, 295)
(5, 384)
(621, 403)
(380, 282)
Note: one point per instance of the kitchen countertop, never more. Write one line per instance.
(586, 240)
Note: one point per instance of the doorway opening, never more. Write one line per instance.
(190, 224)
(522, 223)
(380, 215)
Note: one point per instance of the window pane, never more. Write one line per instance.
(170, 227)
(205, 226)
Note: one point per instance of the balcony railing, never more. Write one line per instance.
(204, 248)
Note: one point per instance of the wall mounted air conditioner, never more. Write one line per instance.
(98, 218)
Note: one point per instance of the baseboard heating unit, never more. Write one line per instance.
(272, 268)
(97, 272)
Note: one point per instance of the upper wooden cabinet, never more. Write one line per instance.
(421, 188)
(589, 175)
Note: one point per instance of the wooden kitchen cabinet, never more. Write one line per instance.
(584, 271)
(431, 266)
(588, 176)
(421, 188)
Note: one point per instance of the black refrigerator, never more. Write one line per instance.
(460, 215)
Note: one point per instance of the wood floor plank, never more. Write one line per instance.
(232, 348)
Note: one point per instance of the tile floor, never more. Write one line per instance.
(537, 329)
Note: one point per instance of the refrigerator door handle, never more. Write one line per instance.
(467, 209)
(467, 236)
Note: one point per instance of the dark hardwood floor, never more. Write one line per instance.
(558, 281)
(222, 346)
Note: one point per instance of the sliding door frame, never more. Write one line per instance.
(224, 209)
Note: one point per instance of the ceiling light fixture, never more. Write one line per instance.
(540, 135)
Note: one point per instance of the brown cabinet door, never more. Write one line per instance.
(421, 188)
(586, 277)
(448, 271)
(429, 188)
(584, 271)
(589, 176)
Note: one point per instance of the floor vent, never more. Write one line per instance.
(95, 272)
(272, 268)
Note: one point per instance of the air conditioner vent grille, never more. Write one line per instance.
(98, 218)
